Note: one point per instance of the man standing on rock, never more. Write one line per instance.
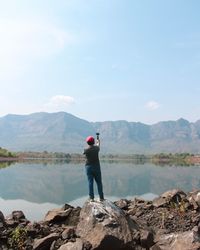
(92, 167)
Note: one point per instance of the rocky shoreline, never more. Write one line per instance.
(171, 221)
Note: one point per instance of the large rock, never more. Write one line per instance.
(15, 218)
(18, 215)
(57, 215)
(174, 196)
(45, 243)
(194, 198)
(67, 215)
(179, 241)
(106, 226)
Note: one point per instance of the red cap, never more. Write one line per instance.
(90, 139)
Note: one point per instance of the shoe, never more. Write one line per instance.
(101, 199)
(91, 200)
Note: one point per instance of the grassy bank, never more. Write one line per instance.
(160, 159)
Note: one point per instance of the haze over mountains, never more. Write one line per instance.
(63, 132)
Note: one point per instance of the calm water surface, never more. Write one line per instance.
(36, 188)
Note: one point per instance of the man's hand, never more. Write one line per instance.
(98, 142)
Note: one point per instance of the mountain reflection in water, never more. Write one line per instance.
(36, 187)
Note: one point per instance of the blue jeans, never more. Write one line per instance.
(94, 173)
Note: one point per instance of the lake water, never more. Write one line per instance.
(36, 188)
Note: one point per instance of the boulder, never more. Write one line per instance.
(57, 215)
(177, 241)
(73, 218)
(45, 243)
(18, 215)
(194, 198)
(106, 226)
(67, 215)
(174, 196)
(16, 218)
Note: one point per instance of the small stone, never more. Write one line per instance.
(68, 233)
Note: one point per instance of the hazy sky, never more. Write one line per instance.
(135, 60)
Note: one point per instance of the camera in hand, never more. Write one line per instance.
(97, 134)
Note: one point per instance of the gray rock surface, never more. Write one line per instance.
(105, 226)
(180, 241)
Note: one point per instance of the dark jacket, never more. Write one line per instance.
(92, 155)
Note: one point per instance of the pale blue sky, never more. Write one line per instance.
(135, 60)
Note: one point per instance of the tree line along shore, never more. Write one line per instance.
(160, 158)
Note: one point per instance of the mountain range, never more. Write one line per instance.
(64, 132)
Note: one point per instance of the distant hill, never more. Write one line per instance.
(63, 132)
